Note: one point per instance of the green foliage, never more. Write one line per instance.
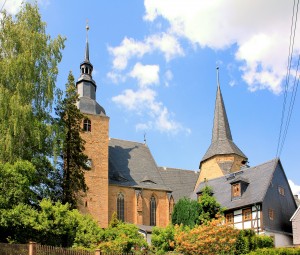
(28, 64)
(15, 182)
(162, 239)
(54, 224)
(276, 251)
(72, 145)
(186, 212)
(209, 208)
(263, 241)
(121, 237)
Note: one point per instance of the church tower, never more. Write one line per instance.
(223, 156)
(95, 134)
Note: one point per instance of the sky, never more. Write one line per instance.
(155, 68)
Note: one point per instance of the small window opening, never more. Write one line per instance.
(87, 126)
(236, 190)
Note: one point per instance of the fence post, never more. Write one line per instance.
(32, 248)
(97, 252)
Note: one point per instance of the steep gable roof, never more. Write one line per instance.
(296, 214)
(258, 177)
(221, 142)
(131, 164)
(181, 182)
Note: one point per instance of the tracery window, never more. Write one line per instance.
(87, 126)
(152, 211)
(120, 207)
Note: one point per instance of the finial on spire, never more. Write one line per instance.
(87, 53)
(145, 140)
(218, 82)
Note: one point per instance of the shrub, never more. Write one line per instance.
(276, 251)
(121, 237)
(211, 238)
(162, 239)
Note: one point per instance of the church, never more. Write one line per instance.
(125, 179)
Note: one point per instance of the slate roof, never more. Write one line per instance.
(132, 165)
(181, 182)
(221, 142)
(258, 177)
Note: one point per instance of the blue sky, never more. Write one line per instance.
(155, 68)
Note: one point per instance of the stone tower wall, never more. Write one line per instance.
(95, 201)
(210, 168)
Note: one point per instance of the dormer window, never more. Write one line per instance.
(87, 126)
(236, 189)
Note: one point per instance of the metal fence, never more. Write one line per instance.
(38, 249)
(51, 250)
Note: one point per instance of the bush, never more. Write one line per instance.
(162, 239)
(121, 237)
(211, 238)
(276, 251)
(264, 241)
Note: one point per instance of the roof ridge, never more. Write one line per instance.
(175, 168)
(123, 140)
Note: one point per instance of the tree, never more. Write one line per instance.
(186, 212)
(208, 208)
(28, 64)
(74, 161)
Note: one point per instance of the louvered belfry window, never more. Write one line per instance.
(120, 207)
(152, 211)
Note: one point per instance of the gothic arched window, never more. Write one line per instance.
(87, 126)
(120, 207)
(152, 211)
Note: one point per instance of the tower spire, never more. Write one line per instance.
(87, 52)
(221, 142)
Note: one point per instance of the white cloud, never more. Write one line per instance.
(143, 101)
(145, 74)
(295, 188)
(11, 6)
(260, 31)
(129, 48)
(168, 77)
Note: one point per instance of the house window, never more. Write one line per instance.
(271, 214)
(281, 190)
(236, 190)
(152, 211)
(120, 207)
(247, 214)
(87, 125)
(229, 218)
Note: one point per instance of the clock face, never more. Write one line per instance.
(89, 163)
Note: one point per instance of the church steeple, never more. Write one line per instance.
(86, 86)
(221, 128)
(87, 51)
(221, 142)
